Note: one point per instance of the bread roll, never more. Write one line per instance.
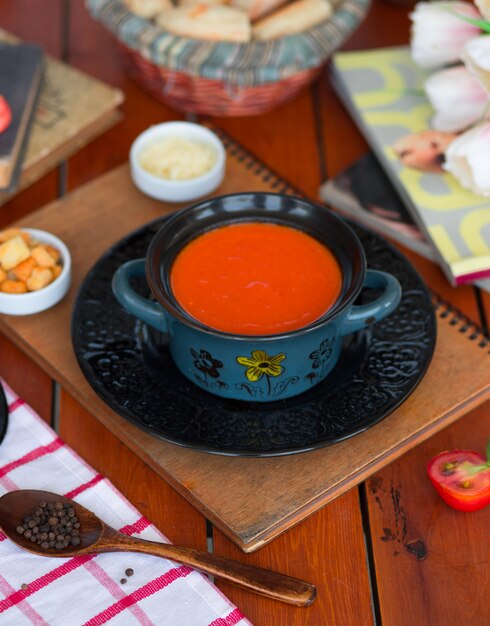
(256, 8)
(147, 8)
(215, 23)
(294, 18)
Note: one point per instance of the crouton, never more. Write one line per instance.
(24, 269)
(8, 233)
(52, 251)
(56, 271)
(13, 286)
(40, 277)
(42, 256)
(13, 252)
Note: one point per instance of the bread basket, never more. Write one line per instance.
(222, 78)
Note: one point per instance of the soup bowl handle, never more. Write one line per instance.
(366, 314)
(147, 311)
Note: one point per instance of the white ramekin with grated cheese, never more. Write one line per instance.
(177, 161)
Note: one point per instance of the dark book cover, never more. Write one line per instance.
(21, 69)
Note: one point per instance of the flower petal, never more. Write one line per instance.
(254, 374)
(275, 360)
(247, 361)
(438, 35)
(468, 159)
(458, 99)
(274, 370)
(476, 56)
(260, 356)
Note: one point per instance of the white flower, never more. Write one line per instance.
(457, 97)
(484, 6)
(468, 159)
(438, 35)
(476, 55)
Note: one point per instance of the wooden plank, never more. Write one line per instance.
(339, 601)
(290, 151)
(45, 190)
(328, 550)
(26, 378)
(485, 297)
(432, 588)
(93, 50)
(386, 24)
(151, 495)
(17, 16)
(431, 561)
(45, 30)
(301, 484)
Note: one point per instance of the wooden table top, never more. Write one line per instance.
(388, 551)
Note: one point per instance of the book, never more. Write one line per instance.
(383, 91)
(73, 108)
(21, 70)
(363, 192)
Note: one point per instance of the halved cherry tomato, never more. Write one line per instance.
(462, 479)
(5, 114)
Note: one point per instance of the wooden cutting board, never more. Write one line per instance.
(252, 500)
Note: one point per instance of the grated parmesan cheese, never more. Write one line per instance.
(177, 158)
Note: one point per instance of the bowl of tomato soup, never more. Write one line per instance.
(255, 292)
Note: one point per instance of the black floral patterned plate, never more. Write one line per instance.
(129, 366)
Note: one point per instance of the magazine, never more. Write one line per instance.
(383, 91)
(364, 193)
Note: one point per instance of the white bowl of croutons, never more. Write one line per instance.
(35, 270)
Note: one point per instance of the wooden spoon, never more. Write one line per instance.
(96, 536)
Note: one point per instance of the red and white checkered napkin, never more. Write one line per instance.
(87, 589)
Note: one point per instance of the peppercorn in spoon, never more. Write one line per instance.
(95, 536)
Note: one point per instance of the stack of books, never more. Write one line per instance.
(21, 71)
(428, 211)
(56, 109)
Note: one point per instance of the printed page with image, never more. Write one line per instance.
(384, 92)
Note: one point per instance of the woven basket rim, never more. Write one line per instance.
(253, 63)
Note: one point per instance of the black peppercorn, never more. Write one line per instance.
(51, 525)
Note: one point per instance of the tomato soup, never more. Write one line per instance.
(255, 278)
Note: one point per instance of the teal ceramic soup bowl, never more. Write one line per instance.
(255, 368)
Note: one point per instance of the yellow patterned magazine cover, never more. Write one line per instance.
(383, 90)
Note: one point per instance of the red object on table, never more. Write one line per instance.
(5, 114)
(462, 479)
